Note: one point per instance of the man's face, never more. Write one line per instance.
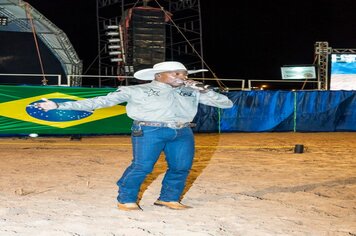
(174, 78)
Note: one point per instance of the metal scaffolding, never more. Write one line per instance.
(322, 52)
(183, 32)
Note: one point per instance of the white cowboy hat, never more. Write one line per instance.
(149, 74)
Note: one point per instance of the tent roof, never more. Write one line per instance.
(54, 38)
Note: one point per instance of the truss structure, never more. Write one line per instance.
(344, 50)
(183, 32)
(322, 52)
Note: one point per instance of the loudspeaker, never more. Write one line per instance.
(145, 37)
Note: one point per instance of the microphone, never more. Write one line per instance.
(201, 85)
(197, 85)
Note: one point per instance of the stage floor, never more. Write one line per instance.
(240, 184)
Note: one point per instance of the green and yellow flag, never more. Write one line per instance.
(19, 116)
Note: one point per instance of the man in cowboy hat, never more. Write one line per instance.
(162, 111)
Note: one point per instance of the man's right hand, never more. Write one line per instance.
(46, 105)
(196, 85)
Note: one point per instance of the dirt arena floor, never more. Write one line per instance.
(240, 184)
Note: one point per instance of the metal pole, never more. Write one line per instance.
(171, 34)
(98, 28)
(201, 39)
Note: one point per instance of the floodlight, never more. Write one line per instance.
(114, 40)
(3, 20)
(112, 33)
(112, 27)
(298, 72)
(115, 52)
(116, 59)
(114, 46)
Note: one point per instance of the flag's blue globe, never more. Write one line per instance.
(56, 115)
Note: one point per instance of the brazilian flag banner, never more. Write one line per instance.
(18, 115)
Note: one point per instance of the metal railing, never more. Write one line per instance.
(232, 84)
(59, 77)
(250, 87)
(241, 82)
(99, 77)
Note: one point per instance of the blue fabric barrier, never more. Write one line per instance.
(253, 111)
(279, 111)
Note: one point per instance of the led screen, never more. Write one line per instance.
(343, 72)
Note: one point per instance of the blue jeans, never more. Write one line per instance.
(178, 147)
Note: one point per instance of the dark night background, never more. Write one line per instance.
(241, 39)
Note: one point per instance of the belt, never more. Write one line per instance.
(172, 125)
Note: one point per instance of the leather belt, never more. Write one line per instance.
(172, 125)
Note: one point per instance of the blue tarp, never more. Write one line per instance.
(279, 111)
(253, 111)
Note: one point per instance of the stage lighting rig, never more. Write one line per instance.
(114, 46)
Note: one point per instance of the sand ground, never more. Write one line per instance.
(240, 184)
